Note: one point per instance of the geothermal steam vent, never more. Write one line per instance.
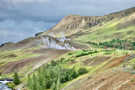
(57, 43)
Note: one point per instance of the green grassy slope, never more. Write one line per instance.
(95, 61)
(112, 34)
(114, 29)
(12, 60)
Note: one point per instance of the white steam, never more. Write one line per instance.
(57, 43)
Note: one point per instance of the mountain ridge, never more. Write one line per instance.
(74, 22)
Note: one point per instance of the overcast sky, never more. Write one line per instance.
(20, 19)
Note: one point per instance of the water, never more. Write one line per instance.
(4, 87)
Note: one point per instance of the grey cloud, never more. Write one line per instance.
(11, 30)
(64, 7)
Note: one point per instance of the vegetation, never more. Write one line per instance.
(52, 76)
(84, 53)
(82, 71)
(16, 79)
(108, 31)
(15, 55)
(115, 43)
(11, 85)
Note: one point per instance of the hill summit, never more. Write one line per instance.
(74, 23)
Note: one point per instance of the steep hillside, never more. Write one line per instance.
(75, 23)
(123, 28)
(113, 73)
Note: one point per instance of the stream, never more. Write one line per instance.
(4, 87)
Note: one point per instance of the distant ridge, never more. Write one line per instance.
(73, 23)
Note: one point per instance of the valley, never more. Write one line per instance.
(79, 53)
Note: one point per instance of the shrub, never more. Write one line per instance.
(70, 53)
(16, 79)
(85, 52)
(11, 85)
(53, 63)
(82, 71)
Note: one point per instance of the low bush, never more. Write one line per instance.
(11, 85)
(85, 52)
(16, 79)
(82, 71)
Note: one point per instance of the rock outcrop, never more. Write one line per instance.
(74, 23)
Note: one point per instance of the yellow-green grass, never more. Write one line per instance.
(108, 31)
(16, 55)
(91, 69)
(69, 58)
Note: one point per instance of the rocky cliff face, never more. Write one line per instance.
(74, 23)
(129, 21)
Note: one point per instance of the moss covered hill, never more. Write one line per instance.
(79, 53)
